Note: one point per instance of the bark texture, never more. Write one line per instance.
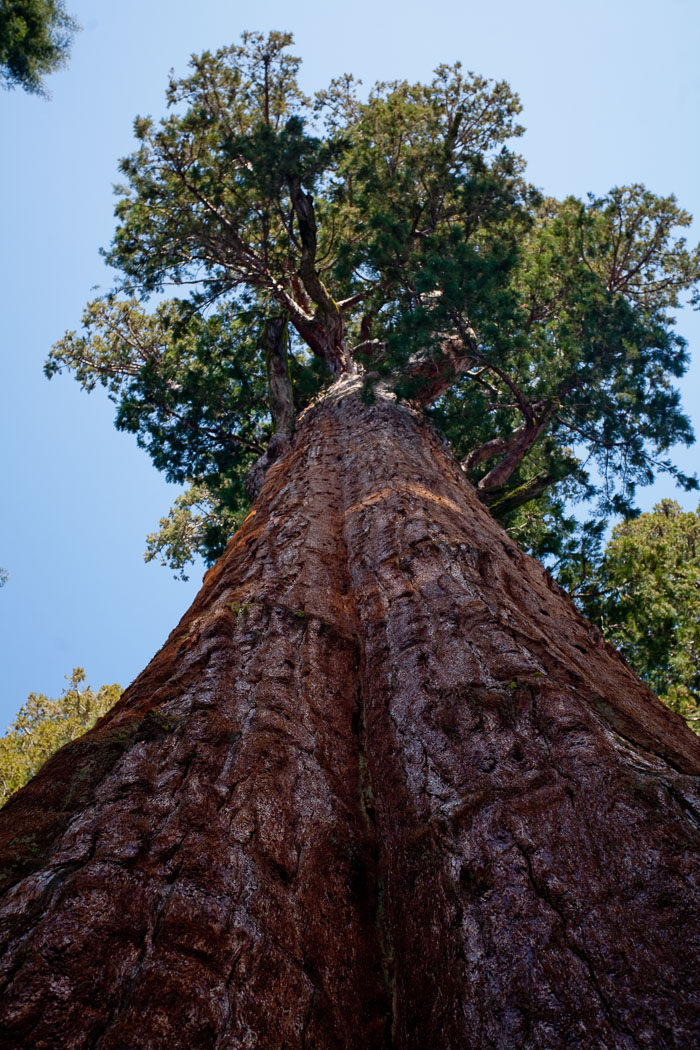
(383, 788)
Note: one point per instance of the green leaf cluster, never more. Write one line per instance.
(393, 232)
(43, 725)
(196, 523)
(35, 40)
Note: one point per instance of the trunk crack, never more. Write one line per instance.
(148, 940)
(366, 789)
(543, 892)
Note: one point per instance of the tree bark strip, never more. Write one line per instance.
(383, 787)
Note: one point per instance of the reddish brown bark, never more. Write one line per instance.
(383, 787)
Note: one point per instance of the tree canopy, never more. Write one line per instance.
(42, 725)
(391, 234)
(35, 40)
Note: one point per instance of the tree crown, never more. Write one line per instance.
(644, 591)
(394, 235)
(35, 40)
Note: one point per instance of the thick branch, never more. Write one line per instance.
(495, 447)
(438, 374)
(280, 399)
(324, 333)
(353, 300)
(500, 503)
(527, 435)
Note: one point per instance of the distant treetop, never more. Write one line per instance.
(35, 40)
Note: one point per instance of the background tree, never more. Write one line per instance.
(644, 592)
(43, 725)
(35, 40)
(395, 236)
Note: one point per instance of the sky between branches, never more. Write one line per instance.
(610, 96)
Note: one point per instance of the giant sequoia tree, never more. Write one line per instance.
(383, 786)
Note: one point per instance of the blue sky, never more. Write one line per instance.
(610, 92)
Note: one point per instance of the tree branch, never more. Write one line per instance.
(247, 258)
(495, 447)
(353, 300)
(324, 333)
(281, 401)
(525, 437)
(500, 503)
(437, 374)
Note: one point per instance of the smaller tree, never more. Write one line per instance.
(35, 40)
(644, 592)
(43, 725)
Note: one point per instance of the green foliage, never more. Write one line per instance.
(598, 280)
(592, 339)
(644, 592)
(4, 577)
(395, 231)
(197, 524)
(43, 725)
(35, 40)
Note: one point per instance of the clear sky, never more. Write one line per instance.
(610, 90)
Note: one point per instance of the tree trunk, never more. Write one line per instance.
(383, 787)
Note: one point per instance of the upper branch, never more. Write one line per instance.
(324, 334)
(273, 340)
